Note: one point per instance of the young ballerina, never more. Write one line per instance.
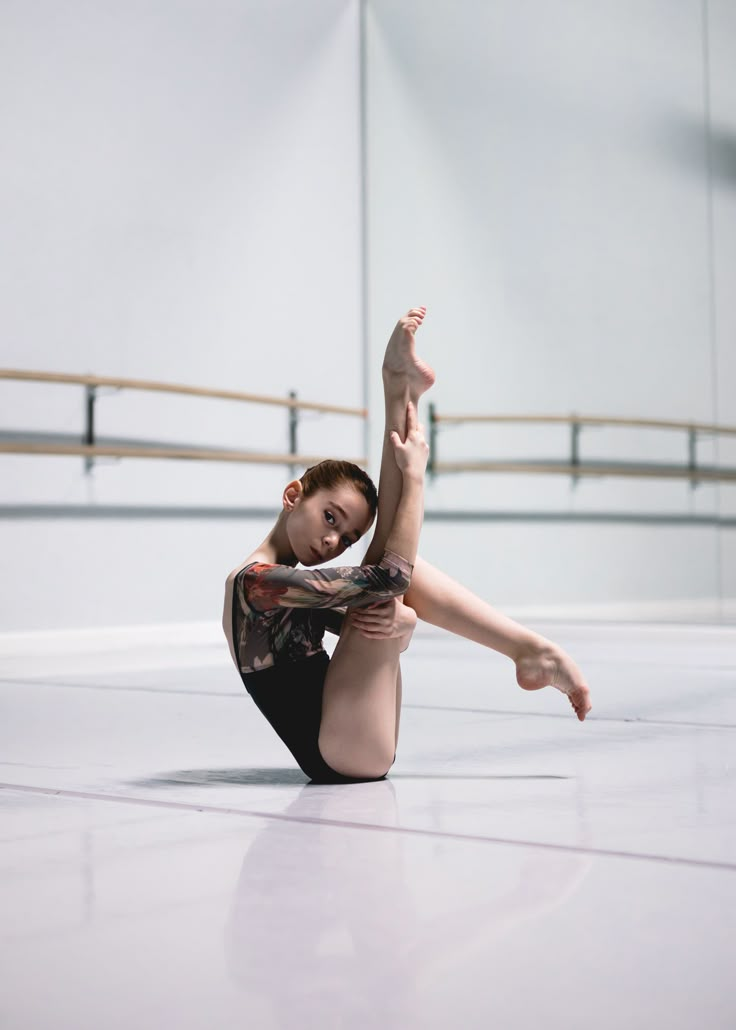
(339, 717)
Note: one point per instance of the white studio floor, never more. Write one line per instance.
(164, 863)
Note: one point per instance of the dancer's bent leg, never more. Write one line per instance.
(361, 699)
(441, 601)
(357, 735)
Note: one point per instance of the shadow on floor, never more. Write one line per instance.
(220, 777)
(289, 777)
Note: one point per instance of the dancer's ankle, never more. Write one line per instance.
(530, 645)
(396, 385)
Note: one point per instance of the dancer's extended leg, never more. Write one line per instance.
(405, 378)
(361, 697)
(441, 601)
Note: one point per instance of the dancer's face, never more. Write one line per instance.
(324, 525)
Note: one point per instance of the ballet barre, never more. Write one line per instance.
(90, 447)
(574, 467)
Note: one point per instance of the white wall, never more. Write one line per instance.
(722, 94)
(180, 187)
(180, 200)
(538, 177)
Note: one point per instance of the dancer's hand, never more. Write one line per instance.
(387, 620)
(412, 452)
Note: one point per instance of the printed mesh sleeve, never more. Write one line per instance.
(280, 586)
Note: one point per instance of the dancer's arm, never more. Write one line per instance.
(411, 457)
(265, 587)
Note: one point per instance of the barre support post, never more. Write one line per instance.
(293, 427)
(432, 461)
(90, 396)
(692, 455)
(575, 428)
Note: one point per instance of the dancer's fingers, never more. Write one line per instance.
(379, 629)
(362, 620)
(368, 617)
(411, 418)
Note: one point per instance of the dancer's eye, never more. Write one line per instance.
(330, 518)
(346, 542)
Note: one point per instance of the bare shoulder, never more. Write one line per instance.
(261, 554)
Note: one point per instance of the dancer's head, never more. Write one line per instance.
(328, 509)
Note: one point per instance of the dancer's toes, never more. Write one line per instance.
(579, 698)
(400, 362)
(550, 666)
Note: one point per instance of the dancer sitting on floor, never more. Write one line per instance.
(339, 717)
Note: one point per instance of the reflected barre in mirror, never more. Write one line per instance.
(89, 446)
(573, 466)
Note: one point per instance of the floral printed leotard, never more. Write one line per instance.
(281, 613)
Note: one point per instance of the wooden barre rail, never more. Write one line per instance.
(182, 453)
(689, 470)
(213, 454)
(193, 391)
(589, 470)
(590, 420)
(90, 449)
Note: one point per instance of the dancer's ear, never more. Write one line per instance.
(292, 495)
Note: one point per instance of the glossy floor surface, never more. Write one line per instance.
(164, 864)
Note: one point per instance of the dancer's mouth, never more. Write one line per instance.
(316, 556)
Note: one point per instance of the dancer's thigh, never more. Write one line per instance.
(358, 729)
(289, 695)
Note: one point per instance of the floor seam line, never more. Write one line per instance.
(406, 705)
(191, 806)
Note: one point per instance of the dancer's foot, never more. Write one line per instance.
(400, 362)
(548, 665)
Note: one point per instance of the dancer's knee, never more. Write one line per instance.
(364, 760)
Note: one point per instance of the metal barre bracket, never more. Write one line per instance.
(90, 396)
(575, 428)
(293, 427)
(432, 462)
(692, 456)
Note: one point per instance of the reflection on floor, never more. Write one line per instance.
(165, 864)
